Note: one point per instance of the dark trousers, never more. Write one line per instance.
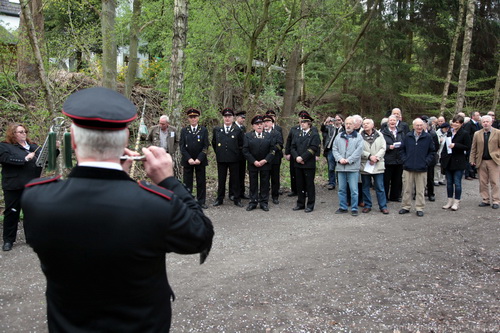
(393, 181)
(470, 171)
(241, 178)
(305, 184)
(275, 180)
(293, 180)
(430, 180)
(11, 214)
(222, 169)
(259, 193)
(201, 181)
(360, 197)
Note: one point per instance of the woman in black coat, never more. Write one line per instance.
(454, 160)
(393, 174)
(17, 156)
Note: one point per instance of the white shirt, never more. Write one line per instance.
(102, 165)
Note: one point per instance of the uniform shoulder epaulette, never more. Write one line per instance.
(158, 190)
(41, 181)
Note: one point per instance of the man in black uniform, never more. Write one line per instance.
(194, 146)
(227, 141)
(271, 127)
(259, 150)
(305, 147)
(240, 122)
(294, 130)
(101, 237)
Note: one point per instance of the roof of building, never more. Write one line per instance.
(10, 8)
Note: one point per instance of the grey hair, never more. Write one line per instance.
(487, 117)
(357, 119)
(370, 120)
(99, 145)
(165, 117)
(392, 116)
(416, 120)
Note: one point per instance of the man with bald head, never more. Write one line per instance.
(401, 124)
(417, 152)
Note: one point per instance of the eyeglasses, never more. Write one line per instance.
(22, 132)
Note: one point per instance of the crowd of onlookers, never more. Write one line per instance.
(399, 163)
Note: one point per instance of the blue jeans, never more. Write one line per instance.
(331, 168)
(454, 179)
(348, 179)
(378, 183)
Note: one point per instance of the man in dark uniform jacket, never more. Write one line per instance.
(194, 146)
(259, 150)
(270, 126)
(472, 127)
(102, 237)
(240, 122)
(304, 150)
(227, 141)
(292, 133)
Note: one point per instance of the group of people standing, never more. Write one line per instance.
(401, 165)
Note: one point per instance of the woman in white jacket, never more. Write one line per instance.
(372, 166)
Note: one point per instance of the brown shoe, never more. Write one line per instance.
(385, 211)
(366, 210)
(361, 204)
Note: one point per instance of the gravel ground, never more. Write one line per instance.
(286, 271)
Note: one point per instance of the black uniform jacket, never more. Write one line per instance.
(16, 171)
(277, 132)
(307, 147)
(194, 145)
(457, 160)
(102, 239)
(227, 147)
(255, 149)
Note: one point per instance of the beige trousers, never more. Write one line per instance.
(489, 174)
(417, 180)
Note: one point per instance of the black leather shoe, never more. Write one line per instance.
(238, 203)
(204, 206)
(298, 208)
(264, 208)
(292, 194)
(251, 207)
(341, 211)
(420, 213)
(484, 204)
(308, 210)
(432, 198)
(494, 206)
(217, 203)
(404, 211)
(7, 246)
(276, 201)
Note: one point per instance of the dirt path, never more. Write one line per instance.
(285, 271)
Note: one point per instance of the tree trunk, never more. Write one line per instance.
(290, 96)
(451, 62)
(176, 83)
(464, 66)
(109, 71)
(251, 52)
(27, 72)
(134, 44)
(496, 93)
(35, 46)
